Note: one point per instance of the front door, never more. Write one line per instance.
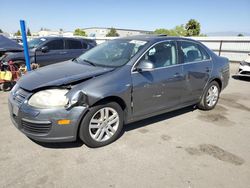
(55, 53)
(161, 87)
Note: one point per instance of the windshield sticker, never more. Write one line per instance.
(43, 39)
(138, 42)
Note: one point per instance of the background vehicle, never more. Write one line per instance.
(8, 71)
(48, 50)
(18, 40)
(244, 68)
(117, 82)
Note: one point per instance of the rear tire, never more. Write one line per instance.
(102, 125)
(210, 96)
(6, 86)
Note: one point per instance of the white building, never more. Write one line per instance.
(44, 33)
(103, 31)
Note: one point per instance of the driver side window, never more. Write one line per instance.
(162, 54)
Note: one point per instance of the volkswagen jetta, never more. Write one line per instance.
(117, 82)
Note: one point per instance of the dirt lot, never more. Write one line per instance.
(185, 148)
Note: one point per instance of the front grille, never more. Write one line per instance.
(36, 127)
(20, 95)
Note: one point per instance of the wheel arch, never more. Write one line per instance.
(218, 80)
(116, 99)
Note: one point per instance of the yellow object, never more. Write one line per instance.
(22, 70)
(63, 122)
(8, 76)
(2, 74)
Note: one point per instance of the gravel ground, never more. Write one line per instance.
(184, 148)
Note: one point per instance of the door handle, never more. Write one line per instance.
(207, 69)
(177, 74)
(62, 52)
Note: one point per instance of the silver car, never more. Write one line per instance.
(115, 83)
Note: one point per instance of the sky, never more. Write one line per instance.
(213, 15)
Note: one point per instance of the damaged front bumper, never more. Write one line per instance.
(42, 124)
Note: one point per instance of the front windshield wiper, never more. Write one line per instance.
(89, 62)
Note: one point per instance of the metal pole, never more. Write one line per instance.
(220, 47)
(25, 45)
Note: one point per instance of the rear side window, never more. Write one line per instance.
(191, 52)
(55, 44)
(73, 44)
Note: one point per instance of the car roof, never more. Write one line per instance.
(58, 37)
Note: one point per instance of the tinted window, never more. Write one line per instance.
(55, 44)
(73, 44)
(84, 45)
(162, 55)
(191, 52)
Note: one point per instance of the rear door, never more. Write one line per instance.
(55, 53)
(75, 47)
(160, 88)
(197, 67)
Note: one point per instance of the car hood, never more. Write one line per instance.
(60, 74)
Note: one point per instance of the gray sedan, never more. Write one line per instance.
(117, 82)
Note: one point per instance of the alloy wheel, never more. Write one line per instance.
(212, 95)
(104, 124)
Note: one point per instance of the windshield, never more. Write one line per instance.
(113, 53)
(36, 42)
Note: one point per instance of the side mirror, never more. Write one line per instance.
(44, 49)
(145, 65)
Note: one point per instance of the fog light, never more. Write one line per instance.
(63, 122)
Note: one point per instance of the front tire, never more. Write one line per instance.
(210, 97)
(102, 125)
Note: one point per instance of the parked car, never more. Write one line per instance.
(48, 50)
(18, 40)
(117, 82)
(244, 68)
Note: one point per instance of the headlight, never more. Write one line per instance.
(50, 98)
(243, 63)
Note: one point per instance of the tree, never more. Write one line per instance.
(112, 33)
(1, 31)
(18, 33)
(193, 28)
(161, 31)
(240, 35)
(28, 32)
(80, 32)
(179, 30)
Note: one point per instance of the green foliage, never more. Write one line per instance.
(240, 35)
(202, 35)
(112, 33)
(1, 31)
(80, 32)
(18, 33)
(179, 30)
(193, 28)
(28, 32)
(161, 31)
